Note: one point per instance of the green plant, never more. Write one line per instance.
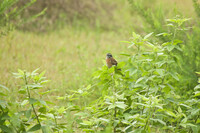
(188, 57)
(144, 96)
(32, 113)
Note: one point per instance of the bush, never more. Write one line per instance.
(10, 12)
(66, 11)
(145, 96)
(188, 59)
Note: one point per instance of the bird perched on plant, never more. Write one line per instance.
(110, 61)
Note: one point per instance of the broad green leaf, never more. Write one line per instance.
(22, 90)
(35, 86)
(42, 110)
(6, 129)
(160, 72)
(105, 120)
(158, 120)
(3, 104)
(177, 42)
(86, 123)
(35, 128)
(140, 79)
(197, 93)
(25, 102)
(179, 110)
(121, 105)
(197, 87)
(28, 113)
(148, 35)
(121, 64)
(61, 110)
(45, 129)
(43, 102)
(32, 100)
(2, 94)
(185, 105)
(170, 47)
(170, 113)
(174, 75)
(34, 72)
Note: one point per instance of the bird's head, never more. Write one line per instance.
(109, 55)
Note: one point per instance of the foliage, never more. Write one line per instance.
(73, 12)
(188, 59)
(8, 13)
(31, 113)
(144, 96)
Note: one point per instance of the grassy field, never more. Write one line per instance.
(70, 55)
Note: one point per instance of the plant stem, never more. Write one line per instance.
(29, 96)
(115, 110)
(55, 121)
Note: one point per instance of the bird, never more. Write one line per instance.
(110, 61)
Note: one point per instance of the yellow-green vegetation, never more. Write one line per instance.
(154, 42)
(69, 56)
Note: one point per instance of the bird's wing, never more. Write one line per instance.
(113, 61)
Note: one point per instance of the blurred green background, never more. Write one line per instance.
(70, 40)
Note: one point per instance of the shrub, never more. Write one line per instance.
(144, 96)
(66, 12)
(9, 14)
(188, 59)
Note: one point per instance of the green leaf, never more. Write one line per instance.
(35, 128)
(32, 100)
(45, 129)
(121, 105)
(6, 129)
(42, 110)
(124, 54)
(121, 64)
(1, 86)
(197, 93)
(185, 105)
(174, 75)
(140, 79)
(28, 113)
(158, 120)
(43, 102)
(25, 102)
(22, 90)
(170, 113)
(88, 130)
(160, 72)
(148, 35)
(105, 120)
(86, 123)
(197, 87)
(2, 94)
(35, 86)
(179, 110)
(170, 47)
(3, 104)
(34, 72)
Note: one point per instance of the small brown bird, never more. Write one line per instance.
(110, 61)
